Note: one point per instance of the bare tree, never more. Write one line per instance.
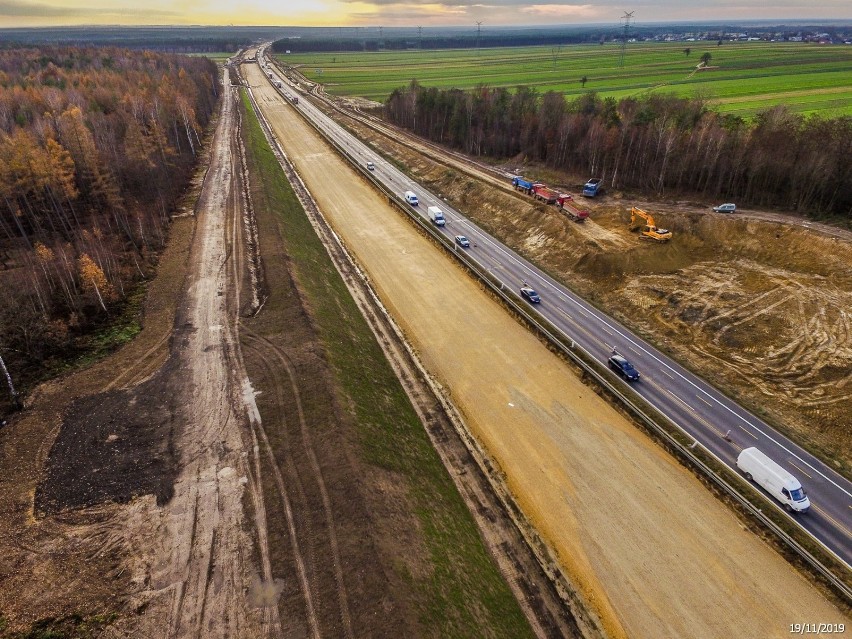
(16, 400)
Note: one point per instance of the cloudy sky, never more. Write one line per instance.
(395, 13)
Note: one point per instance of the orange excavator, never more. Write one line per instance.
(649, 230)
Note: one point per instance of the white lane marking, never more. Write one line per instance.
(680, 400)
(843, 528)
(748, 432)
(704, 400)
(564, 314)
(801, 470)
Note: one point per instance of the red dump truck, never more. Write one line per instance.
(566, 203)
(541, 192)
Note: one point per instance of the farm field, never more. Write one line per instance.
(217, 56)
(744, 78)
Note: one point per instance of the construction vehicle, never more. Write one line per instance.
(649, 230)
(593, 187)
(541, 192)
(522, 184)
(566, 203)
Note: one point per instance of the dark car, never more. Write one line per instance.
(624, 368)
(530, 295)
(462, 241)
(730, 207)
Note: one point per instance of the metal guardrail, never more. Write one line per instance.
(581, 357)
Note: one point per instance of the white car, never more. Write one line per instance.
(725, 208)
(371, 166)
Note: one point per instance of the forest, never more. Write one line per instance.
(96, 146)
(658, 144)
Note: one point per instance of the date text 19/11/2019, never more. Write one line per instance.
(817, 628)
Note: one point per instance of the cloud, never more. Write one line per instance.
(17, 9)
(37, 10)
(561, 10)
(521, 5)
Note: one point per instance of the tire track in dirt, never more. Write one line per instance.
(238, 236)
(249, 261)
(147, 364)
(275, 360)
(299, 526)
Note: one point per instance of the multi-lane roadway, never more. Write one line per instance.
(716, 422)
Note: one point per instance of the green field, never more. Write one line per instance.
(216, 57)
(751, 76)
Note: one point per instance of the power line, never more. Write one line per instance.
(626, 27)
(478, 31)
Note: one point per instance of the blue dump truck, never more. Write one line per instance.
(522, 184)
(593, 187)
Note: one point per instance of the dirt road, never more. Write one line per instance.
(630, 526)
(200, 566)
(142, 466)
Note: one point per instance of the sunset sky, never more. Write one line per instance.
(19, 13)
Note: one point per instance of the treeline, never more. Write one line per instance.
(458, 41)
(172, 39)
(96, 145)
(656, 144)
(341, 39)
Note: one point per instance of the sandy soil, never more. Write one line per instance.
(653, 552)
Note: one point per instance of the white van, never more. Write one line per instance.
(775, 480)
(436, 215)
(411, 198)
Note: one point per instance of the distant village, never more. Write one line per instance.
(840, 36)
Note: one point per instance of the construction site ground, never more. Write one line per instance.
(210, 479)
(652, 552)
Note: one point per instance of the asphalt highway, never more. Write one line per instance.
(714, 421)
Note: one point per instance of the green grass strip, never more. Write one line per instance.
(740, 68)
(464, 594)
